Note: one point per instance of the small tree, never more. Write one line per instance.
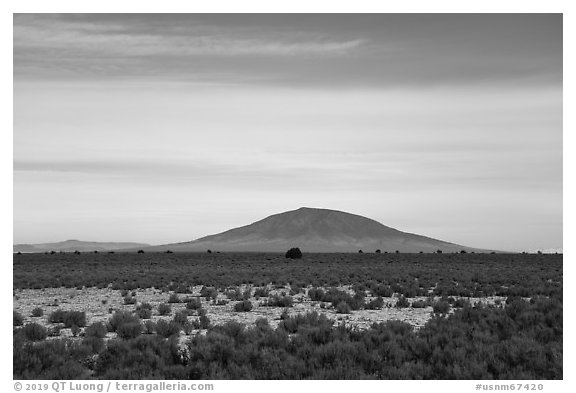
(294, 253)
(378, 251)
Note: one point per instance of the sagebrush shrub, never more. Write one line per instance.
(34, 332)
(209, 293)
(336, 296)
(204, 322)
(234, 294)
(18, 318)
(94, 344)
(194, 304)
(149, 327)
(459, 303)
(243, 306)
(68, 318)
(167, 329)
(164, 309)
(316, 294)
(343, 308)
(383, 290)
(129, 330)
(375, 304)
(77, 318)
(54, 331)
(144, 311)
(97, 329)
(419, 304)
(189, 326)
(262, 323)
(441, 307)
(279, 301)
(261, 292)
(37, 312)
(181, 317)
(75, 330)
(402, 302)
(121, 318)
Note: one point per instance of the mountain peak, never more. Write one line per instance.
(315, 230)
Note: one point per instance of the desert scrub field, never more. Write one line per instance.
(340, 305)
(471, 275)
(372, 316)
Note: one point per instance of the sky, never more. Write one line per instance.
(163, 128)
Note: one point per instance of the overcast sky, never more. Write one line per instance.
(166, 128)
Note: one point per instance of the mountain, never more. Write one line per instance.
(73, 245)
(315, 230)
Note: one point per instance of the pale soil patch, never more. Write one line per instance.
(99, 304)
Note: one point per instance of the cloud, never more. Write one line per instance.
(113, 39)
(299, 51)
(56, 47)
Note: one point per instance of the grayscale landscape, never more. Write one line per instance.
(288, 196)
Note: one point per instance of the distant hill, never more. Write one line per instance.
(315, 230)
(73, 245)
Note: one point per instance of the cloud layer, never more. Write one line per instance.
(293, 50)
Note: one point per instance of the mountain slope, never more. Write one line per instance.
(73, 245)
(314, 230)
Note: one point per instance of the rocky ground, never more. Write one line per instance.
(100, 304)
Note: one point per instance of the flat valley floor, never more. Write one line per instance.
(203, 292)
